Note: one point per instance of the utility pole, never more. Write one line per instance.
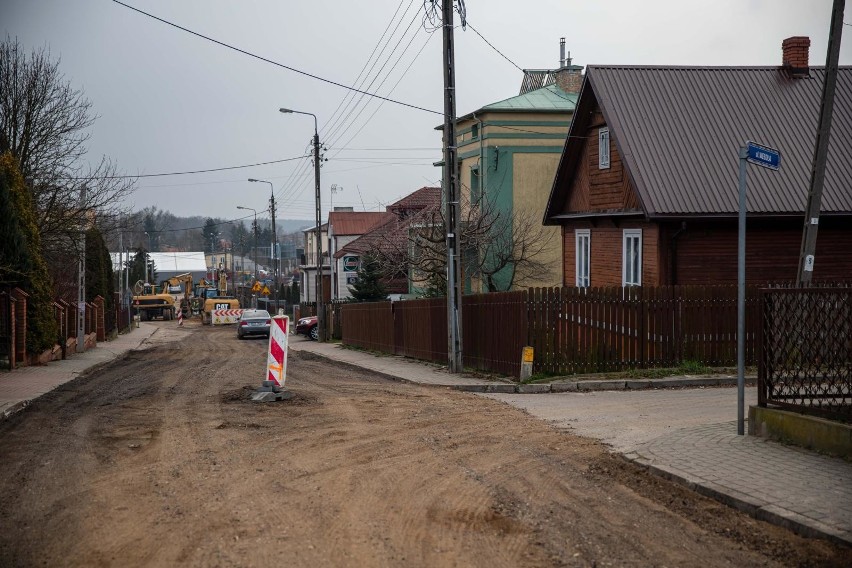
(318, 237)
(81, 273)
(320, 306)
(274, 249)
(809, 233)
(451, 195)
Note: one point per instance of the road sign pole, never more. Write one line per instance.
(741, 249)
(769, 158)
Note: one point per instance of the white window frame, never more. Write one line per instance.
(603, 148)
(583, 257)
(634, 238)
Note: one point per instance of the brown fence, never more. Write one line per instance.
(572, 330)
(371, 324)
(7, 327)
(805, 362)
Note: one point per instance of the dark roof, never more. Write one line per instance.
(353, 222)
(416, 200)
(390, 236)
(678, 130)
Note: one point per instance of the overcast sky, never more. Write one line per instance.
(170, 101)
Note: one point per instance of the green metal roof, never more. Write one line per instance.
(546, 99)
(550, 98)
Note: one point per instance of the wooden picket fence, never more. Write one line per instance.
(572, 330)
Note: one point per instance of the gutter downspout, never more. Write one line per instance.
(673, 248)
(483, 172)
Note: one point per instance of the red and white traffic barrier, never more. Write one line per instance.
(276, 359)
(220, 317)
(180, 317)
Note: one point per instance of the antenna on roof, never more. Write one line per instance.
(358, 187)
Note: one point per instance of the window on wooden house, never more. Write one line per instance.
(631, 272)
(582, 238)
(474, 131)
(603, 149)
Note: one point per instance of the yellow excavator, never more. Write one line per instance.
(215, 298)
(184, 280)
(150, 304)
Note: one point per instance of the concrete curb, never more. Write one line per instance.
(556, 387)
(799, 524)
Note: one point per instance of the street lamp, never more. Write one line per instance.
(255, 238)
(320, 309)
(274, 250)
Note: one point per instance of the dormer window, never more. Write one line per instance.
(603, 149)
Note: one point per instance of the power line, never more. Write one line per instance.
(192, 172)
(401, 77)
(330, 126)
(494, 48)
(277, 64)
(340, 133)
(410, 149)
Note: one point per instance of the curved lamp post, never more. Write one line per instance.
(320, 307)
(274, 251)
(255, 240)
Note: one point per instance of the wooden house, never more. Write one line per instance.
(646, 191)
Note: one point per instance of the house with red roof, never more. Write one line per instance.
(390, 237)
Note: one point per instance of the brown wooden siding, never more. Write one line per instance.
(708, 253)
(594, 189)
(606, 252)
(578, 193)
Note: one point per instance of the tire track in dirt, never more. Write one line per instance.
(164, 461)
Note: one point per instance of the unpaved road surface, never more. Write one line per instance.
(160, 459)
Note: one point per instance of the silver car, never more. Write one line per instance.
(253, 322)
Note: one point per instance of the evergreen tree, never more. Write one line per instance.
(14, 261)
(137, 266)
(31, 270)
(369, 287)
(99, 274)
(210, 231)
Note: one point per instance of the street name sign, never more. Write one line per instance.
(763, 156)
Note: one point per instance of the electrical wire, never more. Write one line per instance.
(391, 70)
(328, 128)
(190, 172)
(277, 64)
(494, 48)
(334, 132)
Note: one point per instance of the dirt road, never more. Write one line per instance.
(161, 460)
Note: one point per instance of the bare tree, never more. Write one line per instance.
(44, 122)
(501, 249)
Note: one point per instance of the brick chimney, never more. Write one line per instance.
(568, 77)
(795, 55)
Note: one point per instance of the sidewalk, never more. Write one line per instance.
(686, 434)
(19, 387)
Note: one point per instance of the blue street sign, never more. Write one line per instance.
(763, 156)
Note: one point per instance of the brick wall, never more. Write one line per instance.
(569, 80)
(795, 54)
(606, 243)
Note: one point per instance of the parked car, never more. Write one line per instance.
(253, 322)
(308, 327)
